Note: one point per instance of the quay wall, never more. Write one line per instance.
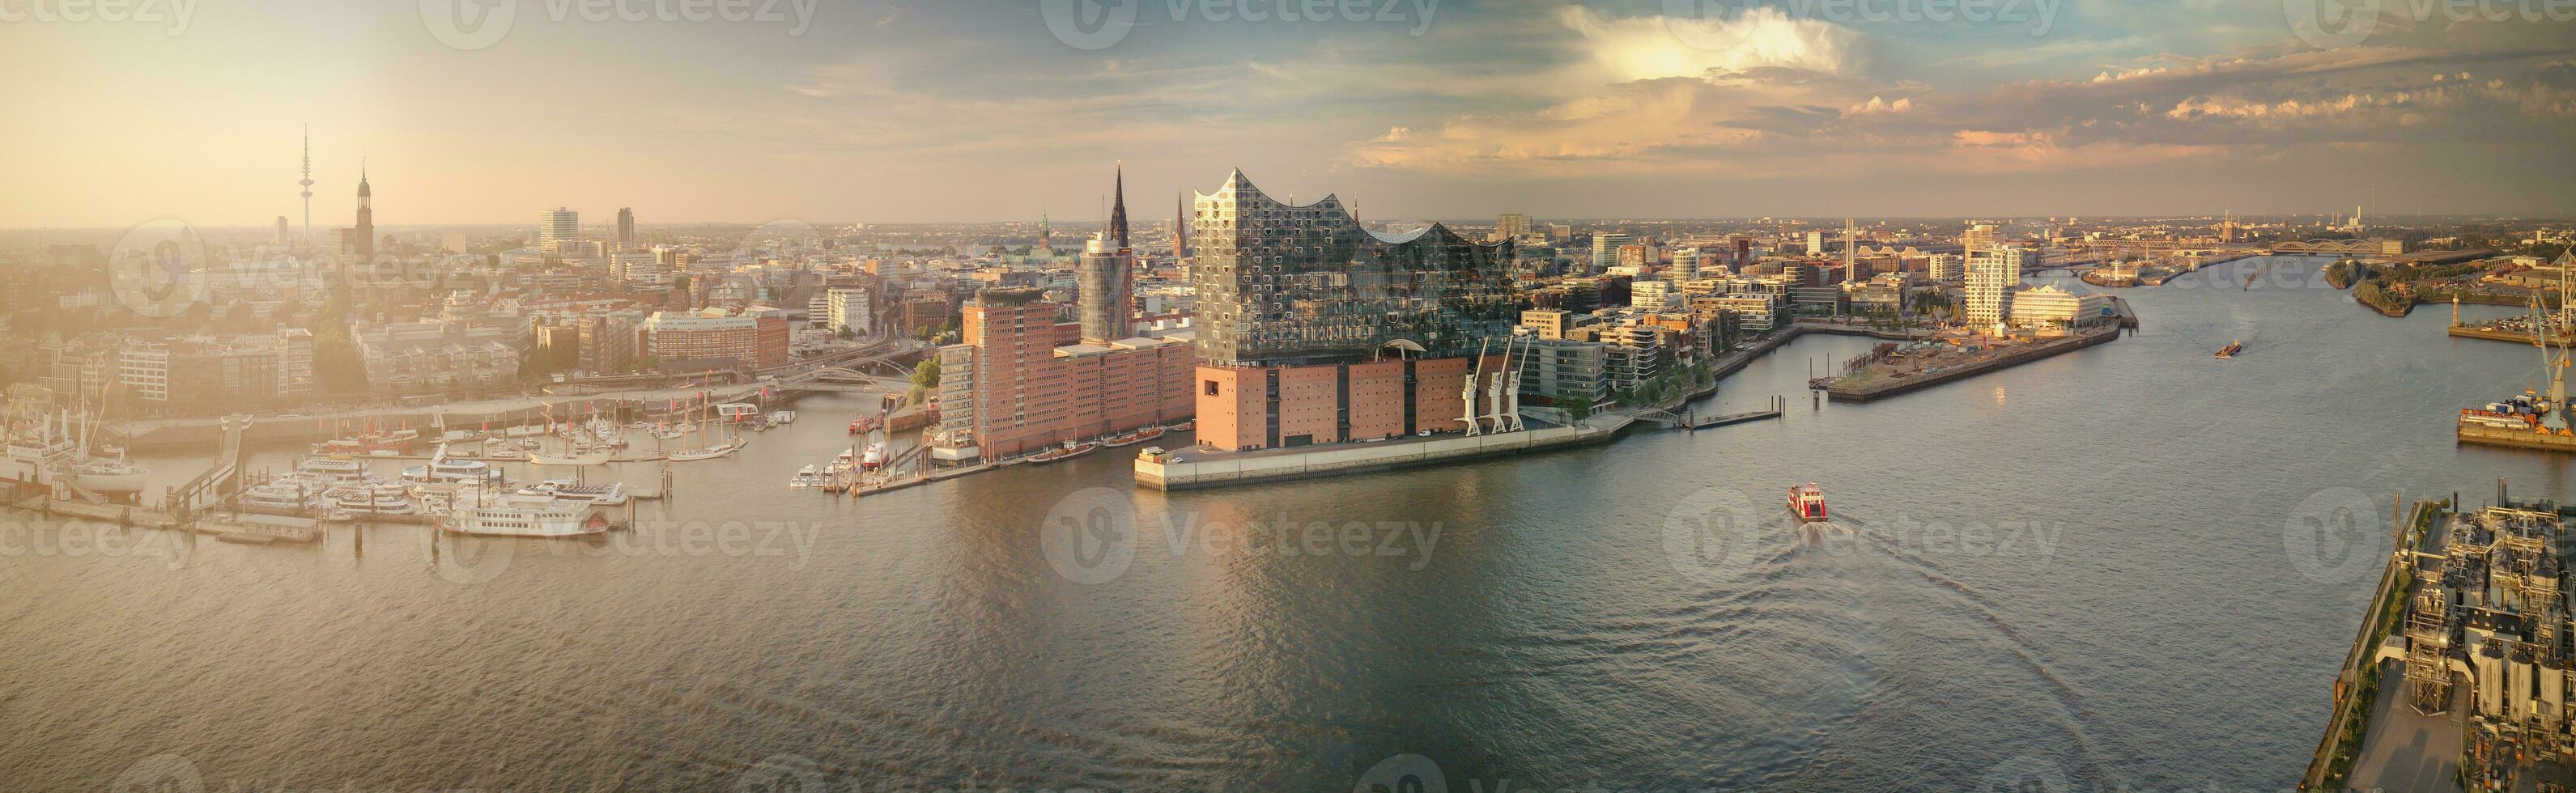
(1344, 459)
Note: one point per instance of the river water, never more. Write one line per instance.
(2132, 565)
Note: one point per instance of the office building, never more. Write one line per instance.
(1605, 250)
(1511, 227)
(1564, 371)
(2047, 307)
(1103, 278)
(851, 309)
(1651, 295)
(1547, 323)
(625, 229)
(755, 337)
(557, 227)
(1022, 378)
(1815, 242)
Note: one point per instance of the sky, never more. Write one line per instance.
(758, 111)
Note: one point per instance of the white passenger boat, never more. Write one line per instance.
(453, 470)
(374, 498)
(332, 468)
(286, 496)
(515, 518)
(605, 495)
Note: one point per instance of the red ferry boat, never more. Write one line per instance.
(1807, 503)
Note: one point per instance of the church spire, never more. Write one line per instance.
(1118, 208)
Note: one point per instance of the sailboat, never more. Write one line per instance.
(572, 454)
(705, 450)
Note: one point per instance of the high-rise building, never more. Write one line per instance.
(1107, 297)
(1815, 242)
(1685, 263)
(556, 227)
(1992, 274)
(280, 239)
(1945, 268)
(625, 228)
(1511, 226)
(1314, 329)
(1605, 249)
(1978, 237)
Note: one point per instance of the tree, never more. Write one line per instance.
(847, 334)
(336, 366)
(925, 375)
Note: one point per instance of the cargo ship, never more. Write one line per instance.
(1807, 503)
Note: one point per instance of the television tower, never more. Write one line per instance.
(308, 186)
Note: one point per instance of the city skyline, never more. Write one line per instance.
(874, 113)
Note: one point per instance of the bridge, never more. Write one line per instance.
(1694, 421)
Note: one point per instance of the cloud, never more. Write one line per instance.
(1651, 47)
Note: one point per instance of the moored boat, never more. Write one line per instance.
(1068, 451)
(554, 518)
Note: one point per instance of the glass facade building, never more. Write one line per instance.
(1293, 285)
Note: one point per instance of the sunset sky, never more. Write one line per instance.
(973, 111)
